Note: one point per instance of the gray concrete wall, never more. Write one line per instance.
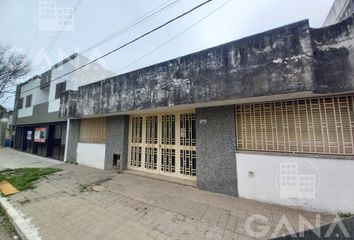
(216, 146)
(73, 139)
(334, 57)
(290, 59)
(274, 62)
(117, 141)
(40, 115)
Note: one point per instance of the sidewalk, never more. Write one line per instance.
(126, 206)
(10, 158)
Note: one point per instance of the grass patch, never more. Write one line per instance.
(23, 178)
(85, 188)
(345, 215)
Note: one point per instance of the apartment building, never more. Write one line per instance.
(340, 10)
(39, 130)
(232, 118)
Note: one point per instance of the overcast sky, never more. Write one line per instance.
(21, 27)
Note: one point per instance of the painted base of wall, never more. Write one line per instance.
(264, 178)
(91, 155)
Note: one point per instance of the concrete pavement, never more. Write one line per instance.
(14, 159)
(86, 203)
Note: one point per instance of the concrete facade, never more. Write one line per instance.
(43, 109)
(73, 128)
(117, 142)
(332, 178)
(274, 62)
(293, 62)
(340, 10)
(216, 145)
(91, 154)
(40, 115)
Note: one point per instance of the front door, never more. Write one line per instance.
(163, 143)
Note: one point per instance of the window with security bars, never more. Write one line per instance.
(316, 125)
(187, 131)
(188, 164)
(135, 156)
(92, 130)
(168, 160)
(151, 130)
(151, 158)
(136, 129)
(168, 134)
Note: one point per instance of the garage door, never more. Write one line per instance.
(163, 143)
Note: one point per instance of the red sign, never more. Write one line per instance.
(40, 135)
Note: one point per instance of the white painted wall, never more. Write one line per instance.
(334, 181)
(91, 155)
(38, 96)
(92, 73)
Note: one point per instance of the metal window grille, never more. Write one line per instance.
(93, 130)
(188, 142)
(163, 143)
(135, 159)
(316, 125)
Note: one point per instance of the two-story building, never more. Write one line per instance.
(340, 10)
(6, 118)
(231, 117)
(39, 130)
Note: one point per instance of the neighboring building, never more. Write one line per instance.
(340, 10)
(6, 118)
(232, 117)
(39, 130)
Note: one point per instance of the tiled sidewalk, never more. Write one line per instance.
(126, 206)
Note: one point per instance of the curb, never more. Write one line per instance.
(25, 229)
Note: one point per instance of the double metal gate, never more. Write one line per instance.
(163, 143)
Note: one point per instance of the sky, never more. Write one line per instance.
(24, 28)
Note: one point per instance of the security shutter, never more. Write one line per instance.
(93, 130)
(317, 125)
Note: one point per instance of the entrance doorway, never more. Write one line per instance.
(163, 143)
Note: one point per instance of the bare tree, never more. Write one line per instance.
(13, 65)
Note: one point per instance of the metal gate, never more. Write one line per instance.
(163, 143)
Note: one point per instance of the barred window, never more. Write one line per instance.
(315, 125)
(28, 101)
(59, 88)
(93, 130)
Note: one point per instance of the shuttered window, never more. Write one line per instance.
(93, 130)
(317, 125)
(60, 87)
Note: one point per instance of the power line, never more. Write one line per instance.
(141, 20)
(154, 12)
(174, 37)
(128, 43)
(31, 43)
